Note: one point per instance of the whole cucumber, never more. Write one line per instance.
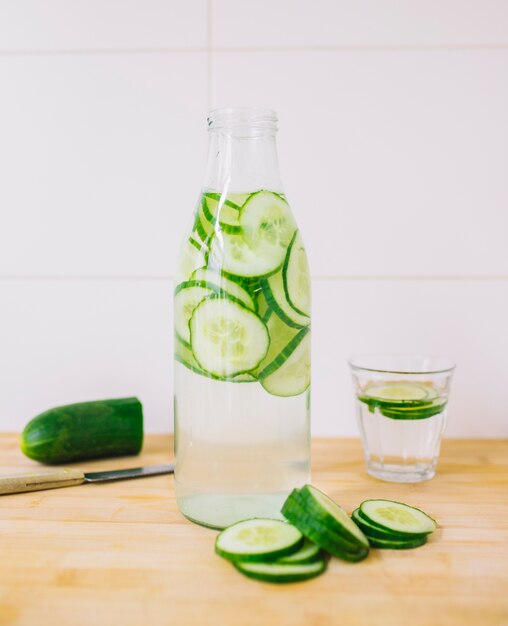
(85, 430)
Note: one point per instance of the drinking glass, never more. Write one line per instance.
(401, 408)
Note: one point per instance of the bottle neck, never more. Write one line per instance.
(242, 160)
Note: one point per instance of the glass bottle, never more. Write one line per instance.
(242, 333)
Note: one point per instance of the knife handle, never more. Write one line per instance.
(45, 479)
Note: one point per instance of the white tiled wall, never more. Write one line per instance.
(394, 150)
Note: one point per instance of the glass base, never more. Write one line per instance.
(394, 473)
(221, 510)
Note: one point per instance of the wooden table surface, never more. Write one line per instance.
(121, 553)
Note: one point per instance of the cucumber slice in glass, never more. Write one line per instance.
(289, 373)
(258, 540)
(281, 572)
(227, 338)
(397, 394)
(397, 517)
(187, 296)
(415, 412)
(220, 283)
(296, 276)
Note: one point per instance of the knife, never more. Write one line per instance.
(55, 478)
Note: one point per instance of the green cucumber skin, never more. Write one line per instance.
(328, 541)
(272, 303)
(284, 276)
(283, 356)
(309, 503)
(385, 544)
(376, 532)
(86, 430)
(351, 547)
(283, 578)
(378, 525)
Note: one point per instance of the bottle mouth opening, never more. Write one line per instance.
(234, 118)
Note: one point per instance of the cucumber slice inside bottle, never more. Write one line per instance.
(397, 517)
(220, 283)
(258, 540)
(281, 336)
(217, 208)
(187, 296)
(226, 337)
(296, 276)
(275, 295)
(259, 249)
(281, 572)
(289, 373)
(193, 256)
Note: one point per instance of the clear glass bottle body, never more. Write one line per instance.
(242, 334)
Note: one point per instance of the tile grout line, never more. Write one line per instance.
(315, 278)
(251, 49)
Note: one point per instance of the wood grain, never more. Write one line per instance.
(121, 554)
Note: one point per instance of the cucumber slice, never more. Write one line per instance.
(264, 311)
(281, 572)
(226, 337)
(281, 336)
(192, 257)
(397, 517)
(415, 412)
(227, 213)
(239, 198)
(234, 256)
(330, 514)
(320, 534)
(187, 296)
(308, 553)
(184, 355)
(259, 249)
(289, 373)
(219, 283)
(275, 295)
(376, 532)
(390, 544)
(258, 540)
(397, 394)
(296, 276)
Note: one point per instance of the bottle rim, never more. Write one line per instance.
(242, 117)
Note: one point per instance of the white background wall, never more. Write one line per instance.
(394, 150)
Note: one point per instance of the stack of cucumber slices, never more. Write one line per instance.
(393, 525)
(242, 308)
(403, 400)
(279, 552)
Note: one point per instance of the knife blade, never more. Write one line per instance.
(56, 478)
